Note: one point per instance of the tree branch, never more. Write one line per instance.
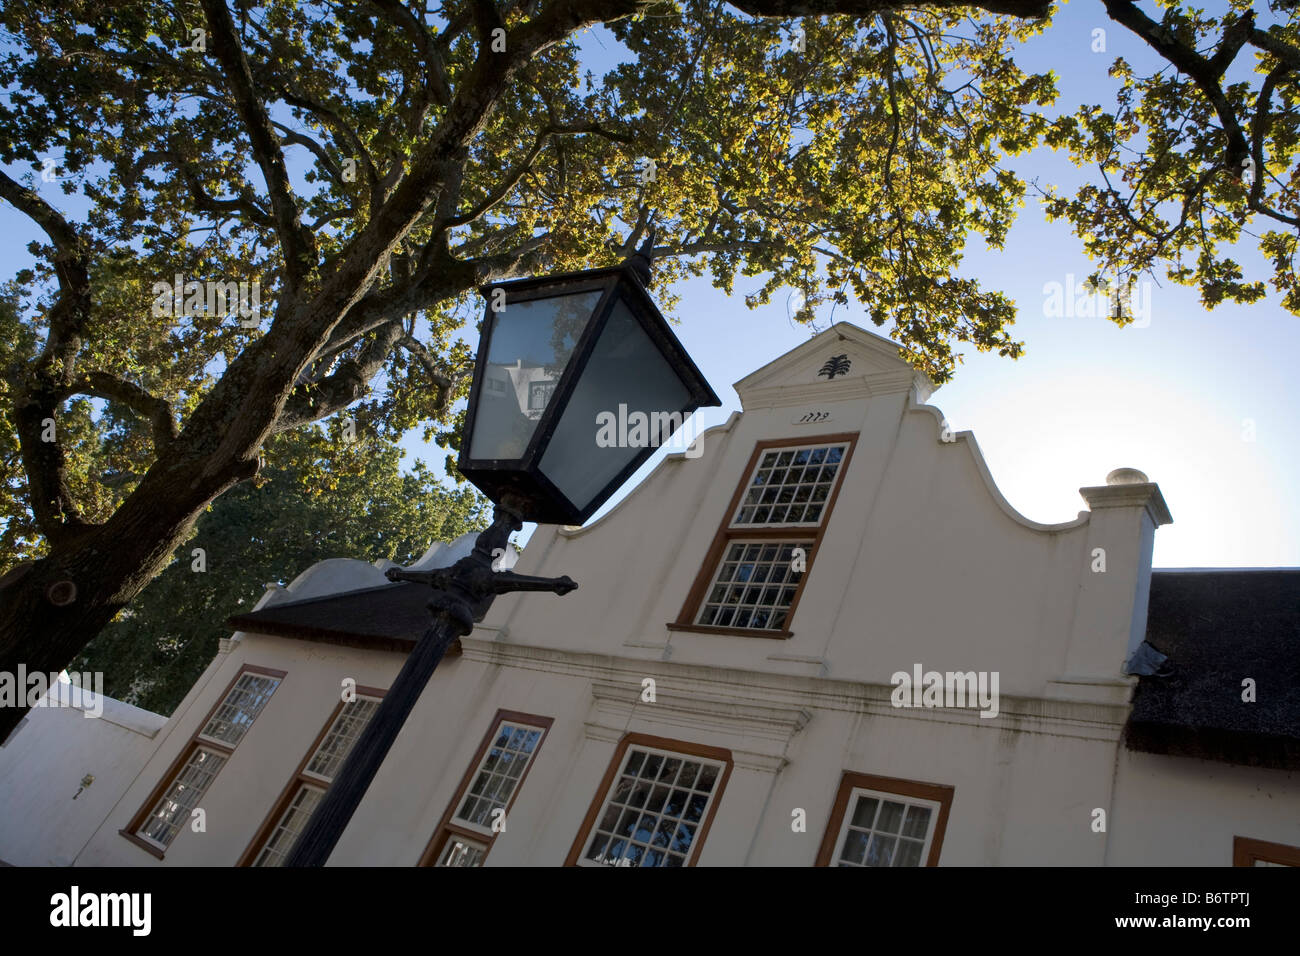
(290, 135)
(1203, 72)
(300, 256)
(514, 175)
(1258, 127)
(335, 122)
(435, 70)
(70, 313)
(157, 410)
(312, 401)
(203, 200)
(1273, 43)
(446, 385)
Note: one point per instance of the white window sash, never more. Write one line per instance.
(320, 777)
(693, 851)
(733, 522)
(857, 793)
(231, 701)
(486, 829)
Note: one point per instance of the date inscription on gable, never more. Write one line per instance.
(811, 417)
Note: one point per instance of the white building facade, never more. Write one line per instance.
(726, 686)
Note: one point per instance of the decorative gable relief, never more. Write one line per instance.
(842, 363)
(836, 365)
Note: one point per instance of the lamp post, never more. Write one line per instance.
(556, 354)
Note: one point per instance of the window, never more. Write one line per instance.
(462, 852)
(482, 802)
(240, 708)
(302, 796)
(170, 807)
(1248, 852)
(790, 486)
(498, 775)
(885, 830)
(290, 825)
(539, 395)
(755, 585)
(755, 568)
(343, 733)
(654, 806)
(881, 821)
(173, 810)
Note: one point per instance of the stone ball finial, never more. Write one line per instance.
(1126, 476)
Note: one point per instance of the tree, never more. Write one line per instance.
(319, 496)
(369, 164)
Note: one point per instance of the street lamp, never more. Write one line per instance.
(559, 358)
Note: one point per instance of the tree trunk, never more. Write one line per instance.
(51, 608)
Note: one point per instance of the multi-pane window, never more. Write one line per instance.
(240, 708)
(539, 394)
(310, 784)
(498, 774)
(462, 852)
(171, 807)
(755, 585)
(477, 813)
(174, 810)
(885, 829)
(290, 825)
(343, 733)
(654, 810)
(790, 486)
(885, 821)
(758, 563)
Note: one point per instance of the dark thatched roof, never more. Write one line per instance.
(1219, 628)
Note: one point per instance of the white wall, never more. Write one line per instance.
(44, 821)
(1179, 811)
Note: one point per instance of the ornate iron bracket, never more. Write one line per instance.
(463, 592)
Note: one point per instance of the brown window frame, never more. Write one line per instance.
(683, 747)
(299, 779)
(941, 794)
(1245, 851)
(447, 826)
(726, 534)
(183, 758)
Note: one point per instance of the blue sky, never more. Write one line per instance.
(1197, 400)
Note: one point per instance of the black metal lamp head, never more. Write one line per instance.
(578, 379)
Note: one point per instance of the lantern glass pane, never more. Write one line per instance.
(629, 397)
(531, 344)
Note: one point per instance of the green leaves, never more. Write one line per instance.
(841, 158)
(1194, 161)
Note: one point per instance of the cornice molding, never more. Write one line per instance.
(718, 694)
(620, 701)
(1144, 494)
